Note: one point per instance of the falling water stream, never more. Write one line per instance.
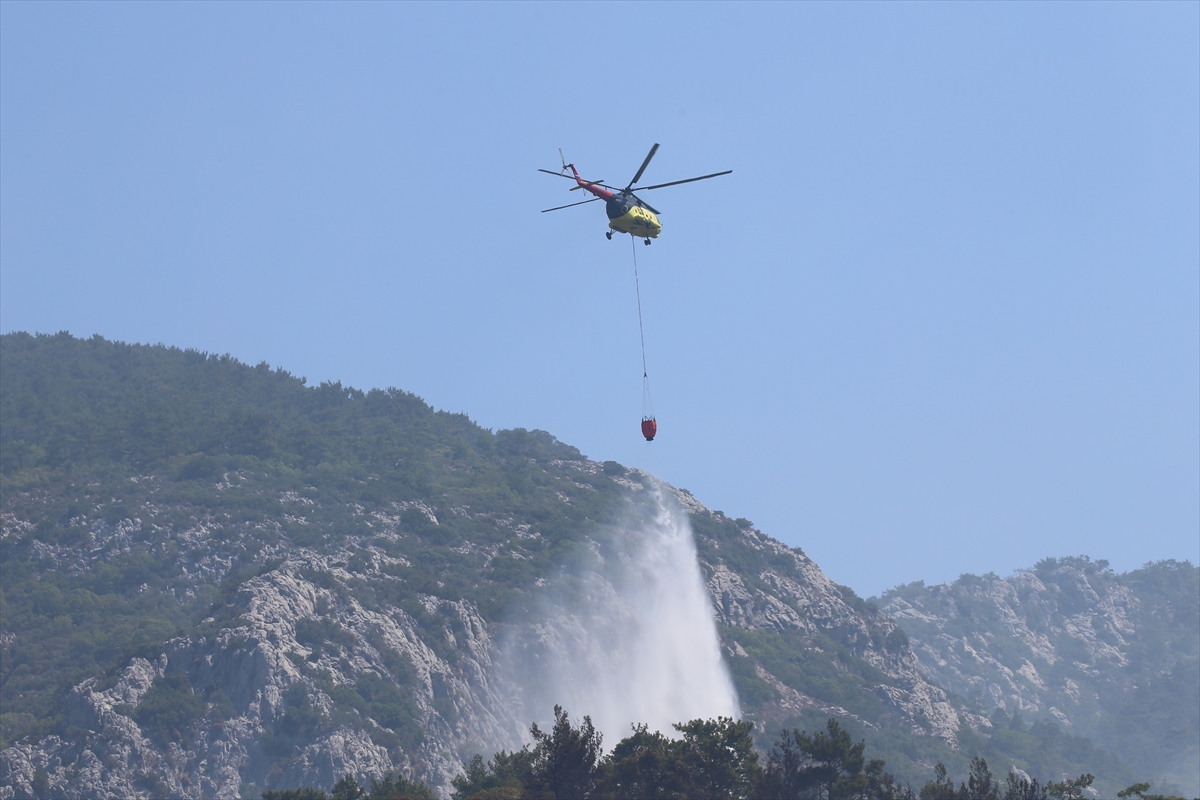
(628, 638)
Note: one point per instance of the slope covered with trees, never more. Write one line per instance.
(112, 451)
(216, 580)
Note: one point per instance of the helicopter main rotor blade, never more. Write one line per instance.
(559, 174)
(568, 205)
(645, 163)
(689, 180)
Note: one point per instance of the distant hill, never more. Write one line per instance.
(217, 580)
(1112, 657)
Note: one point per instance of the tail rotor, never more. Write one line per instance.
(565, 172)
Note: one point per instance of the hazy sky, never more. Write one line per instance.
(942, 317)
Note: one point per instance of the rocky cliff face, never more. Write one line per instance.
(297, 681)
(255, 665)
(217, 580)
(793, 595)
(1070, 640)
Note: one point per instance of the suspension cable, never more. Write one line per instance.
(638, 289)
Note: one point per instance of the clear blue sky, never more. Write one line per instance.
(943, 317)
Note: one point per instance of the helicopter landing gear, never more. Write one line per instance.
(647, 241)
(608, 235)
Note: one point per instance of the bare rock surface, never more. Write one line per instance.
(793, 594)
(1072, 642)
(1025, 643)
(259, 673)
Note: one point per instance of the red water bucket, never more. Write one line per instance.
(649, 428)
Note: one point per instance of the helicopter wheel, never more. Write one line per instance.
(647, 242)
(608, 235)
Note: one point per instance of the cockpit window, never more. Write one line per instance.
(617, 206)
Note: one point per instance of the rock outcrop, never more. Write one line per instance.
(792, 594)
(296, 645)
(1072, 641)
(219, 580)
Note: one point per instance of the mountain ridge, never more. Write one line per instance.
(354, 553)
(1071, 639)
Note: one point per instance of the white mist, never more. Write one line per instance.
(632, 640)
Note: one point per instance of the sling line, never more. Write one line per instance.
(638, 289)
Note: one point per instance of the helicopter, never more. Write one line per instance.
(627, 213)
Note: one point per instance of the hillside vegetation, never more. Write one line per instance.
(1112, 657)
(112, 451)
(216, 580)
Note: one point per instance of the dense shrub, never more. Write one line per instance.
(169, 709)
